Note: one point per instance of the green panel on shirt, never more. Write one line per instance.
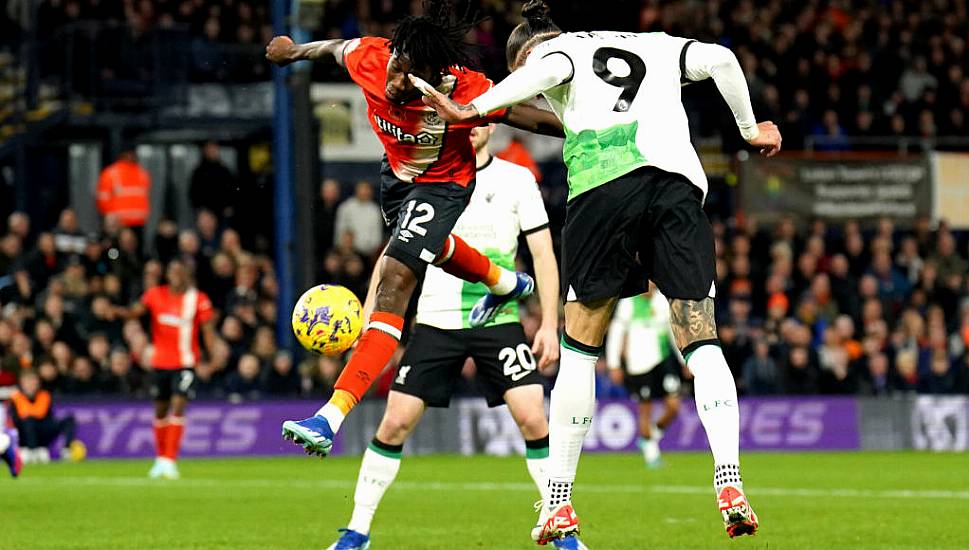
(595, 157)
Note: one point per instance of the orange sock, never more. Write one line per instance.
(161, 439)
(176, 428)
(343, 400)
(375, 349)
(460, 259)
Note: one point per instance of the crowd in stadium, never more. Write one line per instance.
(819, 68)
(829, 309)
(829, 69)
(803, 310)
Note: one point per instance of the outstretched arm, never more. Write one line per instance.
(535, 120)
(282, 51)
(136, 311)
(525, 83)
(702, 61)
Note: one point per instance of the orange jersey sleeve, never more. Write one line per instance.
(148, 298)
(204, 308)
(366, 61)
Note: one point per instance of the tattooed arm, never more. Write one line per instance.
(692, 321)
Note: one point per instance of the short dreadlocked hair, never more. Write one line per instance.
(437, 38)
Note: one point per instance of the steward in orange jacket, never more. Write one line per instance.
(123, 190)
(31, 411)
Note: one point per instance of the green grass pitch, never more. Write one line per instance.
(805, 500)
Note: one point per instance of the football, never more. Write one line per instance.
(328, 319)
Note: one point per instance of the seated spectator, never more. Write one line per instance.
(68, 238)
(213, 185)
(44, 262)
(31, 409)
(18, 224)
(245, 384)
(360, 217)
(798, 375)
(281, 378)
(760, 371)
(10, 250)
(50, 377)
(98, 350)
(83, 380)
(318, 374)
(324, 214)
(264, 345)
(877, 380)
(946, 260)
(209, 382)
(18, 357)
(44, 338)
(121, 379)
(836, 376)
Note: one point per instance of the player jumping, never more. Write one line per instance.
(635, 212)
(179, 311)
(427, 179)
(640, 334)
(506, 202)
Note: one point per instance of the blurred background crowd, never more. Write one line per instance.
(827, 69)
(805, 307)
(832, 309)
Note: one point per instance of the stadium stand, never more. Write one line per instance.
(806, 307)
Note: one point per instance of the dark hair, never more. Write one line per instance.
(436, 39)
(537, 26)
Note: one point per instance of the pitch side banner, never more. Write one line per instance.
(789, 424)
(837, 188)
(124, 430)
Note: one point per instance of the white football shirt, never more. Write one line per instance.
(641, 324)
(618, 96)
(622, 108)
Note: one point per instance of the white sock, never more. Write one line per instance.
(507, 282)
(333, 415)
(377, 472)
(716, 404)
(651, 451)
(573, 402)
(536, 460)
(4, 442)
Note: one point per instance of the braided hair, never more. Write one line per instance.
(436, 40)
(537, 27)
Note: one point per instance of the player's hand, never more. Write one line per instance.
(545, 346)
(616, 376)
(279, 50)
(768, 139)
(446, 108)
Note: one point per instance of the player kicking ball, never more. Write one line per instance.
(634, 213)
(506, 202)
(179, 312)
(640, 335)
(427, 179)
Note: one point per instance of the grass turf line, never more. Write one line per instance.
(808, 500)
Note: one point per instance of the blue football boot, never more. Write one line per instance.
(488, 305)
(350, 540)
(313, 434)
